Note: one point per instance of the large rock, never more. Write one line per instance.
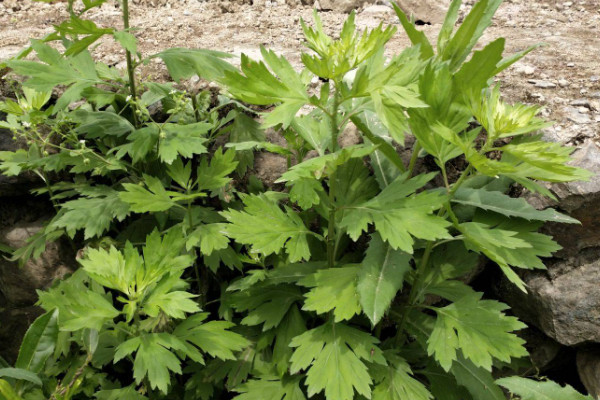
(428, 11)
(345, 6)
(18, 285)
(588, 366)
(563, 302)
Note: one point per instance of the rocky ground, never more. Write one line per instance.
(563, 77)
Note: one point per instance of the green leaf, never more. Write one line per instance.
(332, 353)
(291, 326)
(128, 393)
(475, 74)
(529, 389)
(398, 214)
(141, 200)
(183, 140)
(270, 388)
(166, 298)
(462, 42)
(243, 129)
(266, 304)
(185, 63)
(380, 277)
(212, 337)
(99, 124)
(7, 392)
(127, 40)
(257, 85)
(397, 383)
(208, 237)
(333, 289)
(215, 175)
(479, 329)
(416, 37)
(316, 133)
(306, 192)
(38, 343)
(511, 207)
(153, 358)
(478, 381)
(21, 375)
(267, 228)
(94, 213)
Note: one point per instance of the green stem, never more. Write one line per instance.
(332, 209)
(195, 106)
(414, 157)
(130, 66)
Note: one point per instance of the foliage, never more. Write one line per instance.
(334, 275)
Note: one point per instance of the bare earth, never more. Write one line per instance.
(563, 76)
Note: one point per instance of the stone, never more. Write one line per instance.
(18, 284)
(15, 323)
(377, 9)
(581, 103)
(542, 84)
(564, 302)
(588, 367)
(576, 116)
(429, 11)
(345, 6)
(526, 70)
(563, 83)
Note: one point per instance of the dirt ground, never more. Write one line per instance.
(563, 76)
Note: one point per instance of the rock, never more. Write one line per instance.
(542, 84)
(18, 285)
(563, 83)
(588, 366)
(377, 10)
(349, 136)
(430, 11)
(563, 302)
(15, 323)
(269, 167)
(341, 5)
(576, 116)
(594, 78)
(525, 70)
(581, 103)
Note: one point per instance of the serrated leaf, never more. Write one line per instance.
(511, 207)
(215, 175)
(333, 289)
(529, 389)
(270, 388)
(93, 213)
(99, 124)
(333, 353)
(267, 228)
(398, 214)
(291, 326)
(141, 200)
(183, 140)
(257, 85)
(153, 358)
(213, 337)
(208, 237)
(478, 381)
(479, 329)
(380, 277)
(397, 383)
(185, 63)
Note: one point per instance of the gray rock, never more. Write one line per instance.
(576, 116)
(15, 323)
(563, 302)
(18, 285)
(588, 366)
(341, 5)
(432, 11)
(377, 10)
(581, 103)
(541, 84)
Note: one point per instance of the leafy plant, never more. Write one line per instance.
(351, 282)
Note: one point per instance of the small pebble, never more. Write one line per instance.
(570, 65)
(542, 84)
(580, 103)
(594, 78)
(563, 83)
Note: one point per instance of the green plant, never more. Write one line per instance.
(350, 283)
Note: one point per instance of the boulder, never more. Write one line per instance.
(345, 6)
(588, 366)
(428, 11)
(564, 302)
(18, 285)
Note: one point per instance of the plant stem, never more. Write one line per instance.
(130, 66)
(331, 250)
(199, 282)
(414, 157)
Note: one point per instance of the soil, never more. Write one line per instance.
(568, 64)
